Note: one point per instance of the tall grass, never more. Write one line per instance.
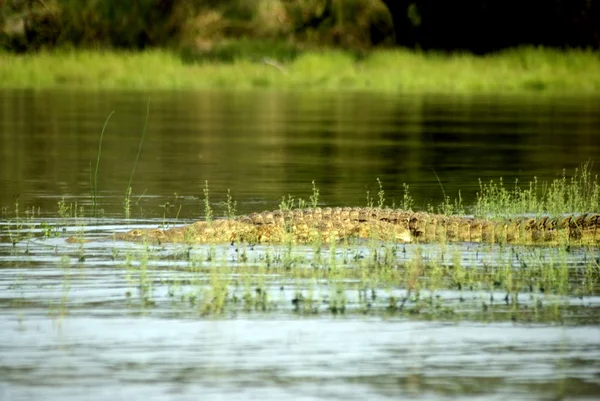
(579, 193)
(137, 158)
(526, 70)
(94, 182)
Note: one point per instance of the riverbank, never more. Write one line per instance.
(517, 71)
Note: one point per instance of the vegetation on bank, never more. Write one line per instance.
(247, 65)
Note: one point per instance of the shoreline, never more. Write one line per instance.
(520, 71)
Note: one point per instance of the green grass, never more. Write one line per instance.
(524, 70)
(578, 192)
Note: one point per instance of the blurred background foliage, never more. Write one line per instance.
(226, 29)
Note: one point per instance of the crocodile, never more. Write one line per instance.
(393, 225)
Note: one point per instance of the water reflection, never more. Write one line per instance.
(263, 145)
(75, 323)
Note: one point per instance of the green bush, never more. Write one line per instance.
(201, 24)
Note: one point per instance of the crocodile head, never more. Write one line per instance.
(141, 235)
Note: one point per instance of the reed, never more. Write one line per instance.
(127, 201)
(94, 178)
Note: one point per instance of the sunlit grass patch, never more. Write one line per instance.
(577, 193)
(522, 70)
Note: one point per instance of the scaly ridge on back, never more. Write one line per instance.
(327, 224)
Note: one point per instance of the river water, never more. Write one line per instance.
(123, 321)
(265, 145)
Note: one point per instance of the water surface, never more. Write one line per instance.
(133, 321)
(265, 145)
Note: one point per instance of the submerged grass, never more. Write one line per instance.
(501, 284)
(523, 70)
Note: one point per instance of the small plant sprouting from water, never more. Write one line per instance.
(208, 213)
(215, 297)
(494, 199)
(407, 200)
(64, 210)
(138, 275)
(230, 205)
(450, 207)
(578, 193)
(95, 176)
(60, 310)
(380, 195)
(127, 201)
(17, 208)
(289, 203)
(314, 198)
(19, 225)
(369, 199)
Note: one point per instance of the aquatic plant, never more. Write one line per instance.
(579, 193)
(94, 178)
(127, 201)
